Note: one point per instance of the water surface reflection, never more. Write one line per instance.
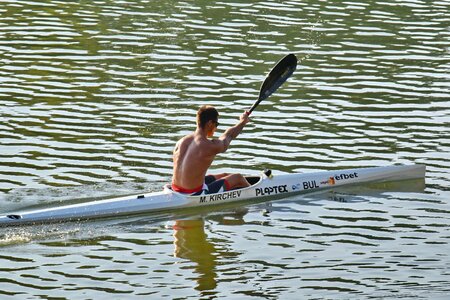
(93, 96)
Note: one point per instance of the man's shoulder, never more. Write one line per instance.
(205, 141)
(185, 138)
(214, 145)
(183, 142)
(211, 146)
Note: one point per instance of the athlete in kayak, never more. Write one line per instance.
(194, 154)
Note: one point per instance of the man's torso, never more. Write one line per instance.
(192, 157)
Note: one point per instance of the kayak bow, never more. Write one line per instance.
(262, 186)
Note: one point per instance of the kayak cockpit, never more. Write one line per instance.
(251, 179)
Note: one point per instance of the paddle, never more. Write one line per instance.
(279, 74)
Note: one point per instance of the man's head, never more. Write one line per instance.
(205, 114)
(207, 119)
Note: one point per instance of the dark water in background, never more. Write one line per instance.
(94, 94)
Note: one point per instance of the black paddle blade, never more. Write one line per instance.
(279, 74)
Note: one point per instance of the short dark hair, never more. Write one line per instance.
(206, 113)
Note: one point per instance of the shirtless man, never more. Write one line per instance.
(194, 154)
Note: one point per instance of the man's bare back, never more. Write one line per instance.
(194, 154)
(192, 157)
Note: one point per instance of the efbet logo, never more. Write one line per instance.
(343, 176)
(331, 181)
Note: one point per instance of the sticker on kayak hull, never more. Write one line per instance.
(346, 176)
(272, 190)
(309, 185)
(220, 197)
(330, 181)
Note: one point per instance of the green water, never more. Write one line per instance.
(94, 95)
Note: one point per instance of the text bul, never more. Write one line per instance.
(307, 185)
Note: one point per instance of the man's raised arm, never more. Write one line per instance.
(232, 132)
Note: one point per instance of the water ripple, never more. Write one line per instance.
(93, 97)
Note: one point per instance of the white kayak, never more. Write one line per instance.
(263, 186)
